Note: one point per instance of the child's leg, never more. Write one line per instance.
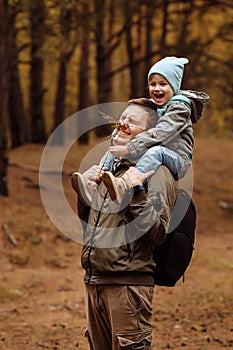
(150, 161)
(107, 161)
(156, 156)
(86, 184)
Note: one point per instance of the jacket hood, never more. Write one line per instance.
(198, 102)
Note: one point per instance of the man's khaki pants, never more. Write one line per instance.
(119, 317)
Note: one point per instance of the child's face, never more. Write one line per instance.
(159, 89)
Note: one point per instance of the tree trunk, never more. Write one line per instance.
(18, 122)
(5, 34)
(103, 60)
(37, 18)
(133, 47)
(108, 52)
(165, 23)
(84, 86)
(148, 46)
(100, 10)
(65, 54)
(182, 39)
(60, 94)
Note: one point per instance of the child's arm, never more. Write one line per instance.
(168, 129)
(119, 151)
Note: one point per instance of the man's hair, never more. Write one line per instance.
(150, 107)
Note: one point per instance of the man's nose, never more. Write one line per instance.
(124, 122)
(123, 126)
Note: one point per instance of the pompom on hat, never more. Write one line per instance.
(171, 68)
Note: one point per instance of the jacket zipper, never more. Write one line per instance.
(93, 233)
(92, 237)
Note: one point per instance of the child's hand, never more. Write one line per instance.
(119, 151)
(153, 132)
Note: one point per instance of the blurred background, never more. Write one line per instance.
(58, 57)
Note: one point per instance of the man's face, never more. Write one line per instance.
(137, 118)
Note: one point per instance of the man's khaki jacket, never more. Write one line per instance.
(118, 243)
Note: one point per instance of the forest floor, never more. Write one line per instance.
(41, 279)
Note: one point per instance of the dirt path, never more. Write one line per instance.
(41, 288)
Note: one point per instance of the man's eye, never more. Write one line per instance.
(133, 124)
(130, 121)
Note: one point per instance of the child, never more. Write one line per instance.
(171, 141)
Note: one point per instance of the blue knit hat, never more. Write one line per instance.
(171, 68)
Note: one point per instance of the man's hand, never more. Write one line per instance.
(119, 151)
(134, 177)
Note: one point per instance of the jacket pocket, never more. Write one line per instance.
(139, 299)
(138, 340)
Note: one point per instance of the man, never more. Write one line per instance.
(118, 246)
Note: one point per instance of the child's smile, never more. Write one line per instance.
(159, 89)
(158, 97)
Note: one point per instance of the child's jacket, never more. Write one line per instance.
(174, 128)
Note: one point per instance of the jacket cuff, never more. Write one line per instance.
(136, 148)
